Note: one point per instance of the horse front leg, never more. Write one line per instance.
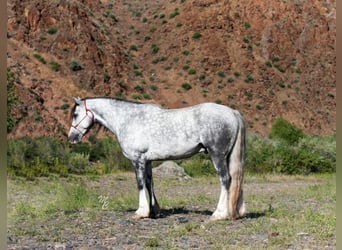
(140, 172)
(154, 206)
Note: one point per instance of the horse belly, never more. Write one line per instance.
(170, 150)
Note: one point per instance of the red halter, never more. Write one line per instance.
(91, 117)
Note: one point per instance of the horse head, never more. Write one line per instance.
(82, 120)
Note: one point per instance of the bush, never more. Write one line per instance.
(186, 86)
(154, 48)
(41, 156)
(52, 30)
(285, 130)
(55, 66)
(196, 35)
(192, 71)
(108, 152)
(13, 100)
(78, 163)
(39, 57)
(75, 65)
(198, 165)
(35, 157)
(312, 154)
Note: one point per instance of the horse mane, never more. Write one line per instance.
(72, 111)
(105, 97)
(114, 99)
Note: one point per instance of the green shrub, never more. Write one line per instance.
(247, 25)
(108, 152)
(55, 66)
(197, 35)
(311, 154)
(236, 73)
(35, 157)
(186, 52)
(221, 74)
(198, 165)
(39, 58)
(147, 96)
(52, 30)
(186, 66)
(174, 13)
(75, 65)
(78, 163)
(186, 86)
(13, 100)
(268, 64)
(249, 78)
(154, 48)
(285, 130)
(133, 47)
(192, 71)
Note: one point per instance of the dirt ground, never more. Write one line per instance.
(283, 213)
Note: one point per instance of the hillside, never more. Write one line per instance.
(265, 58)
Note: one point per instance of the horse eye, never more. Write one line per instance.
(74, 116)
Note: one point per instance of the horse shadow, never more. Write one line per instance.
(165, 213)
(169, 212)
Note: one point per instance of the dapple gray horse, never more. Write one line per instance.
(147, 132)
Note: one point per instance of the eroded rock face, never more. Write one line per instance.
(274, 58)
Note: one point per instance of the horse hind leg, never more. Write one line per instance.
(221, 211)
(154, 206)
(144, 210)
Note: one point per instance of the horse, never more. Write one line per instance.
(147, 132)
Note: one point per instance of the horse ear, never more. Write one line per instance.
(77, 100)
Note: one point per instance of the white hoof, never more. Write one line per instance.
(242, 210)
(219, 215)
(140, 214)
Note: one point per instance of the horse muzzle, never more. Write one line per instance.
(74, 137)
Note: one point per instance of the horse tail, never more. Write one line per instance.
(236, 205)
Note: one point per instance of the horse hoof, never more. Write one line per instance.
(139, 216)
(219, 215)
(216, 218)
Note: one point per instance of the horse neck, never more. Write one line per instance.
(110, 113)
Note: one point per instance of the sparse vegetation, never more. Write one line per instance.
(174, 13)
(186, 86)
(39, 57)
(52, 30)
(13, 100)
(197, 35)
(75, 65)
(192, 71)
(186, 52)
(247, 25)
(136, 96)
(55, 66)
(268, 64)
(249, 78)
(221, 73)
(236, 74)
(154, 48)
(133, 47)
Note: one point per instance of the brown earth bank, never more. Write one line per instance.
(265, 58)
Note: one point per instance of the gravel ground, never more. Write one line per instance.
(183, 223)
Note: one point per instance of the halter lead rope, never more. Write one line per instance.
(92, 117)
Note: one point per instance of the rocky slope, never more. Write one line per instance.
(265, 58)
